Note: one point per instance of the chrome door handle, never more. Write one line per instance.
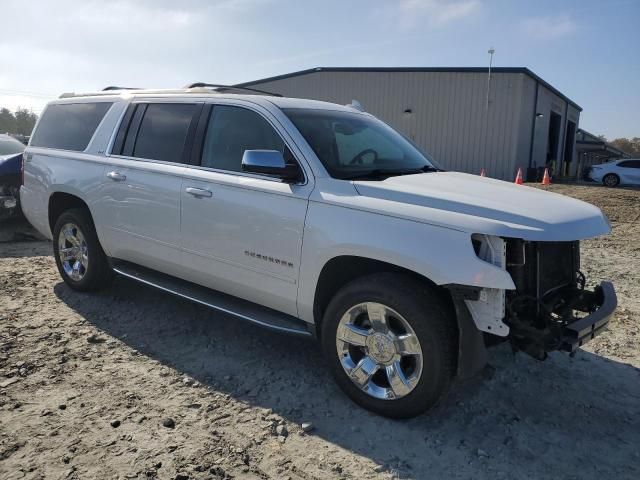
(198, 192)
(116, 177)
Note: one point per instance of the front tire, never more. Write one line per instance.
(80, 259)
(611, 180)
(390, 344)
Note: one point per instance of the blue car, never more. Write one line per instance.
(10, 166)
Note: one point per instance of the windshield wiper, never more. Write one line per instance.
(382, 173)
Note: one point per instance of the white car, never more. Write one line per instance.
(314, 219)
(618, 172)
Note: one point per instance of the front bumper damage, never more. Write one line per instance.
(578, 317)
(551, 309)
(9, 195)
(602, 302)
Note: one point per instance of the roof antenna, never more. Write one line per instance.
(356, 105)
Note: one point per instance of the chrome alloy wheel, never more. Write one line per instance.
(73, 251)
(379, 351)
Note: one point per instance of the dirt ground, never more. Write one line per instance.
(134, 383)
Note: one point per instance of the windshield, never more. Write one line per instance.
(353, 145)
(9, 146)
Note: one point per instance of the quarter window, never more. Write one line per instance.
(163, 131)
(630, 164)
(231, 131)
(69, 126)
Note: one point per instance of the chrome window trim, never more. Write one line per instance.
(277, 126)
(246, 175)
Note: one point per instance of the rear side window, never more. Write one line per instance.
(163, 131)
(69, 126)
(630, 164)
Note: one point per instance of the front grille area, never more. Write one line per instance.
(550, 309)
(557, 265)
(539, 268)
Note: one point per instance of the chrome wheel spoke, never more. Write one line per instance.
(399, 383)
(363, 371)
(84, 260)
(352, 335)
(75, 271)
(377, 314)
(67, 254)
(71, 238)
(408, 344)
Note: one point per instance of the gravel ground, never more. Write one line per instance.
(134, 383)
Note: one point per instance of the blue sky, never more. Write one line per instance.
(589, 50)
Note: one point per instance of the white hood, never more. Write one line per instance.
(482, 205)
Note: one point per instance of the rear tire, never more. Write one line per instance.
(409, 309)
(80, 259)
(611, 180)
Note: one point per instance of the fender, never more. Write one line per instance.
(443, 255)
(87, 199)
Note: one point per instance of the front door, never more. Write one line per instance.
(241, 233)
(139, 204)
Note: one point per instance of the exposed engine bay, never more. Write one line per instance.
(550, 308)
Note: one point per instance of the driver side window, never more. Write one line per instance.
(231, 131)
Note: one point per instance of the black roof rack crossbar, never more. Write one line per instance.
(113, 87)
(230, 87)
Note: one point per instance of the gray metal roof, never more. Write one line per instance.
(522, 70)
(588, 142)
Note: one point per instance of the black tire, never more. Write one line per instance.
(98, 273)
(433, 323)
(611, 180)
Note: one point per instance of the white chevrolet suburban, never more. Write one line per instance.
(315, 219)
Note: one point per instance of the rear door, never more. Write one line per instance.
(629, 171)
(140, 198)
(242, 233)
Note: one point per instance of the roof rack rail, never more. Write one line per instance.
(230, 87)
(113, 87)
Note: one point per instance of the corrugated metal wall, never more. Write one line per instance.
(449, 118)
(548, 102)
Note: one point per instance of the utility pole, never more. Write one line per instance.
(486, 163)
(491, 51)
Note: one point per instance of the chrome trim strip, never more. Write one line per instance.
(211, 305)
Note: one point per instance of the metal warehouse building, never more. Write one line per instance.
(466, 118)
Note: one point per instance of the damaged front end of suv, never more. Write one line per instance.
(10, 176)
(550, 307)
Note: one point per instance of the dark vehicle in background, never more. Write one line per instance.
(10, 173)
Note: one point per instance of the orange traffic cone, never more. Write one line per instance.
(546, 180)
(483, 173)
(519, 177)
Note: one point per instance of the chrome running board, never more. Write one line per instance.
(252, 312)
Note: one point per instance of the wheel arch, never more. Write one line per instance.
(59, 202)
(340, 270)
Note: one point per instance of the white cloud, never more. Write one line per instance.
(413, 13)
(548, 27)
(73, 45)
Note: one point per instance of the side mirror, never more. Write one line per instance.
(269, 162)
